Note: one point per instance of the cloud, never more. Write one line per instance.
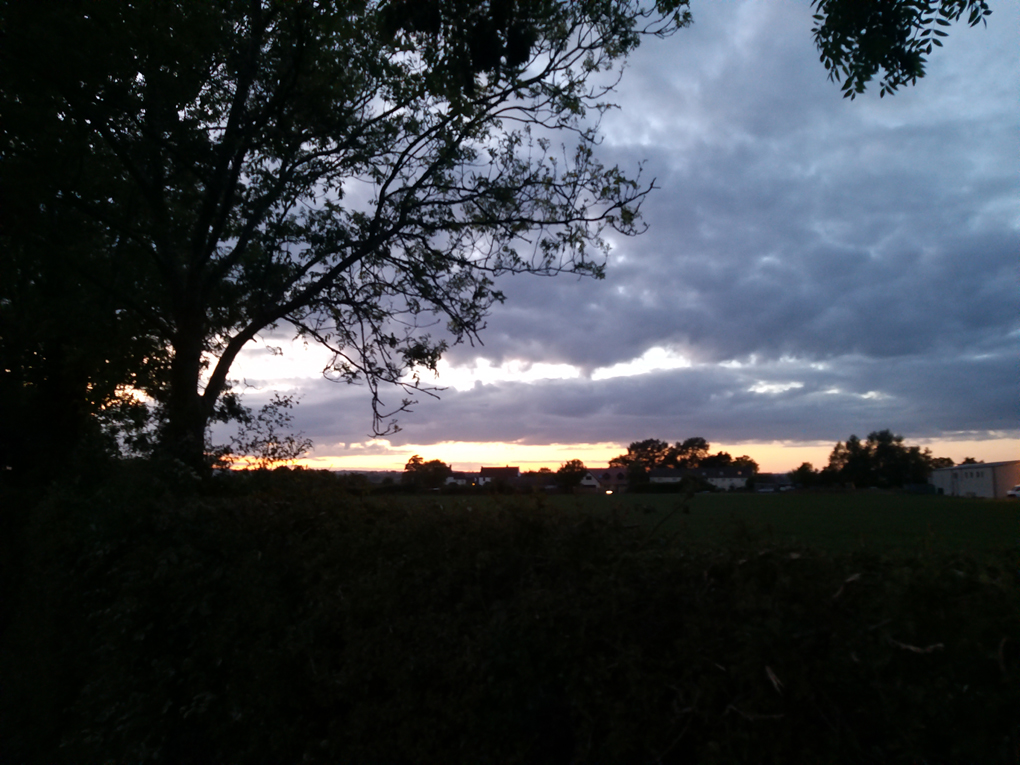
(759, 401)
(813, 266)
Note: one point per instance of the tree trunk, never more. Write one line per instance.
(183, 435)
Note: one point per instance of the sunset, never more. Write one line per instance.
(813, 267)
(509, 381)
(776, 457)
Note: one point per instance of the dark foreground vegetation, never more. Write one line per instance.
(287, 621)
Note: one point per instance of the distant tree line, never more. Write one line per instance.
(420, 474)
(643, 456)
(882, 460)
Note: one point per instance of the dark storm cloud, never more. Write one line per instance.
(791, 221)
(864, 250)
(764, 401)
(753, 403)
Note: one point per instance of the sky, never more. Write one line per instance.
(814, 267)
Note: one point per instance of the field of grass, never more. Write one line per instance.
(293, 622)
(880, 521)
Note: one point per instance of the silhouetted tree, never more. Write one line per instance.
(425, 475)
(805, 475)
(689, 453)
(66, 350)
(718, 460)
(214, 149)
(264, 436)
(648, 454)
(882, 460)
(858, 39)
(743, 462)
(725, 460)
(571, 473)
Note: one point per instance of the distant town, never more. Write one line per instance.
(881, 461)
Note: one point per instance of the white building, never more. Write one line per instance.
(727, 478)
(980, 479)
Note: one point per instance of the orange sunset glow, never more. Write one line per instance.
(776, 457)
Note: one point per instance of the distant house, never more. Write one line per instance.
(981, 479)
(458, 479)
(721, 478)
(666, 475)
(607, 479)
(490, 475)
(726, 478)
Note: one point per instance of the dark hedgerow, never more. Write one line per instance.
(307, 624)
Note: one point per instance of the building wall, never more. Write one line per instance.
(605, 479)
(989, 480)
(728, 484)
(1007, 475)
(488, 475)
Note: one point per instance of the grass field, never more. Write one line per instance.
(296, 623)
(834, 522)
(882, 521)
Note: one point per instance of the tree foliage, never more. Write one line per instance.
(571, 473)
(264, 437)
(360, 171)
(858, 39)
(67, 352)
(805, 475)
(648, 453)
(882, 460)
(726, 460)
(425, 475)
(642, 456)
